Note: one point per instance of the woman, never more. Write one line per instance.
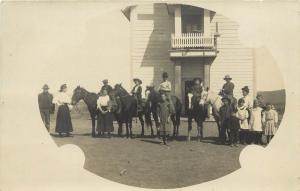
(63, 119)
(105, 120)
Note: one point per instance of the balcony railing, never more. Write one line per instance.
(192, 40)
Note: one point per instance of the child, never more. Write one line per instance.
(270, 121)
(234, 129)
(242, 115)
(164, 117)
(225, 118)
(256, 122)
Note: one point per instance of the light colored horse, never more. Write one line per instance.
(215, 100)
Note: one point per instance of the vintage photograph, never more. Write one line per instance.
(178, 111)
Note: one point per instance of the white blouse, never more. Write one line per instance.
(103, 101)
(248, 102)
(61, 98)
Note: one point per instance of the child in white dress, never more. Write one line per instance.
(242, 115)
(270, 120)
(256, 122)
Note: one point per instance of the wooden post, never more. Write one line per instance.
(206, 23)
(178, 20)
(206, 75)
(177, 79)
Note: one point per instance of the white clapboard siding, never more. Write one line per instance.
(150, 41)
(233, 58)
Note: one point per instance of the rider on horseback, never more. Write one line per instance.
(137, 93)
(227, 89)
(166, 88)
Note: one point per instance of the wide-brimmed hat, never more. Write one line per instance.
(246, 89)
(63, 87)
(226, 98)
(105, 81)
(45, 87)
(165, 75)
(227, 77)
(137, 80)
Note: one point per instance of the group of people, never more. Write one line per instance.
(245, 120)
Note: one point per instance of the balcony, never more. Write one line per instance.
(192, 41)
(193, 45)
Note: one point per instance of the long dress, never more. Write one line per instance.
(269, 119)
(105, 120)
(256, 119)
(63, 119)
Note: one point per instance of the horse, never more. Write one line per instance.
(197, 112)
(215, 100)
(90, 99)
(153, 99)
(127, 109)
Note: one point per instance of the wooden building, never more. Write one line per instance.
(187, 42)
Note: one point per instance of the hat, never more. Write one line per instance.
(63, 87)
(137, 80)
(226, 97)
(165, 75)
(197, 79)
(105, 81)
(45, 87)
(246, 89)
(227, 77)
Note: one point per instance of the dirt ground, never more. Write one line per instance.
(143, 162)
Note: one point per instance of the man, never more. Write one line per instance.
(45, 105)
(228, 88)
(106, 86)
(197, 87)
(137, 93)
(166, 88)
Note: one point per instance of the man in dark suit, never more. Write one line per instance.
(45, 105)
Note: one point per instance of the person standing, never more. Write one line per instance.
(242, 115)
(45, 105)
(256, 123)
(63, 119)
(270, 120)
(165, 87)
(106, 86)
(105, 118)
(164, 113)
(225, 117)
(228, 88)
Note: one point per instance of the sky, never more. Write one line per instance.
(60, 43)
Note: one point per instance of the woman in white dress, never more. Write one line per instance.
(256, 123)
(63, 119)
(105, 118)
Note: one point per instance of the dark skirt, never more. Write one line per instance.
(63, 120)
(105, 121)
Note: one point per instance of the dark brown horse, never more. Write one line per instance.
(90, 99)
(127, 109)
(153, 101)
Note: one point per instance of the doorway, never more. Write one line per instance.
(188, 84)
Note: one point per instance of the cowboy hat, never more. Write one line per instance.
(45, 87)
(105, 81)
(227, 77)
(245, 88)
(137, 80)
(62, 87)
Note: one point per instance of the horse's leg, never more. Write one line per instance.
(127, 130)
(130, 127)
(177, 122)
(93, 125)
(174, 124)
(157, 125)
(120, 129)
(142, 123)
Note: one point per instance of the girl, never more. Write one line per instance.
(242, 115)
(164, 113)
(105, 120)
(63, 119)
(270, 121)
(256, 122)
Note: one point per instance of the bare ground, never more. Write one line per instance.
(143, 162)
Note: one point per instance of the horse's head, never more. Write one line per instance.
(120, 91)
(115, 101)
(78, 94)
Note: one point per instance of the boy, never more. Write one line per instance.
(45, 105)
(164, 117)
